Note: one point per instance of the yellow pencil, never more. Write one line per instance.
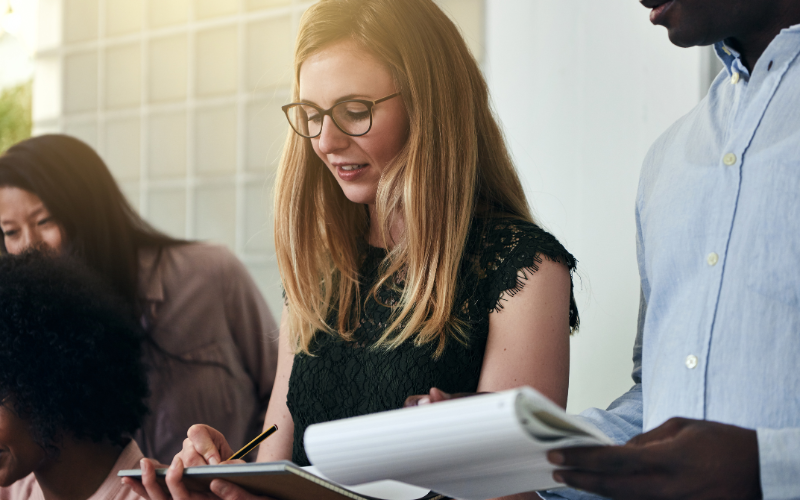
(255, 442)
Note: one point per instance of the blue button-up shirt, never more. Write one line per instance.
(718, 237)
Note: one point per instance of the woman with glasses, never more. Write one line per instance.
(407, 251)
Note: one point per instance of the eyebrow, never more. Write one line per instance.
(342, 98)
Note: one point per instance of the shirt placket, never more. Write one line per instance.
(752, 95)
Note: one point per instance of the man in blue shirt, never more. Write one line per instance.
(718, 226)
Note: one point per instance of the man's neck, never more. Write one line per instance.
(78, 471)
(752, 45)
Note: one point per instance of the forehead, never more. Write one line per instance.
(16, 200)
(343, 69)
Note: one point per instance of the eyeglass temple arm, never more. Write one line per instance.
(385, 98)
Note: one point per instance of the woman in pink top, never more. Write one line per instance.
(72, 383)
(211, 341)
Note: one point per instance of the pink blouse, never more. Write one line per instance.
(112, 488)
(213, 352)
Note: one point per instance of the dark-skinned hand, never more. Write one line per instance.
(687, 459)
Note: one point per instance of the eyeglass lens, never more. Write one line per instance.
(352, 117)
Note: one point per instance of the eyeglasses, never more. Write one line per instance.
(353, 116)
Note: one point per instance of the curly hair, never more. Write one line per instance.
(70, 355)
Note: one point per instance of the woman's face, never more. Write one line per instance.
(19, 453)
(26, 222)
(344, 71)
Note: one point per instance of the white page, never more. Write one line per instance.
(386, 489)
(471, 448)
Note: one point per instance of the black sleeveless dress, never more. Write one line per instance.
(347, 379)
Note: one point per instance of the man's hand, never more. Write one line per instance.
(691, 459)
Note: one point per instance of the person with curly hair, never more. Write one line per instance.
(72, 383)
(210, 338)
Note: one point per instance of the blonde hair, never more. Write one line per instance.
(455, 164)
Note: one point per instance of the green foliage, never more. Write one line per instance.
(15, 115)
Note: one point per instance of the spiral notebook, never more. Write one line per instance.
(472, 448)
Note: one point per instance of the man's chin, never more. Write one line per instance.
(683, 39)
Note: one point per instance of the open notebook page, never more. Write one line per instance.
(385, 490)
(471, 448)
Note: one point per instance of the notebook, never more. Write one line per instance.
(286, 481)
(472, 448)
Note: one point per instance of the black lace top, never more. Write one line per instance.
(347, 379)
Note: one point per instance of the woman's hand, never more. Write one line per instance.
(435, 396)
(150, 489)
(204, 446)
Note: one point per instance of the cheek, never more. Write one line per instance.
(54, 238)
(13, 247)
(384, 151)
(315, 146)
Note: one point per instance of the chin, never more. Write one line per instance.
(359, 196)
(684, 40)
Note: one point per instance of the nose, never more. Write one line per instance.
(31, 238)
(331, 139)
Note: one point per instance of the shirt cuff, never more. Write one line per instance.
(779, 458)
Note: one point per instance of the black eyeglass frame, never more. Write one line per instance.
(329, 112)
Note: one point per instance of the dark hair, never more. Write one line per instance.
(70, 355)
(102, 229)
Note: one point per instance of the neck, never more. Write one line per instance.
(78, 471)
(396, 229)
(752, 44)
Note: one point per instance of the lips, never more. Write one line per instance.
(652, 4)
(350, 172)
(660, 8)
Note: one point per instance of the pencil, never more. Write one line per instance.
(255, 442)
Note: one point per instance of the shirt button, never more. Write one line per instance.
(725, 49)
(729, 159)
(734, 78)
(691, 361)
(712, 259)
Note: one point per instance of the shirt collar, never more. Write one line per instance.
(733, 59)
(151, 284)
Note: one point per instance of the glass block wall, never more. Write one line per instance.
(182, 100)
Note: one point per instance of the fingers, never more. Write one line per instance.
(191, 458)
(136, 486)
(667, 430)
(605, 459)
(438, 395)
(229, 491)
(204, 445)
(416, 400)
(153, 489)
(435, 396)
(175, 480)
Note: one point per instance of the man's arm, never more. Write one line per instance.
(623, 418)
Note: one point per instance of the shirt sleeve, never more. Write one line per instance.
(253, 329)
(622, 420)
(779, 457)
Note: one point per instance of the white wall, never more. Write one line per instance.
(582, 88)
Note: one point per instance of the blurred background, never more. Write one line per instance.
(182, 100)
